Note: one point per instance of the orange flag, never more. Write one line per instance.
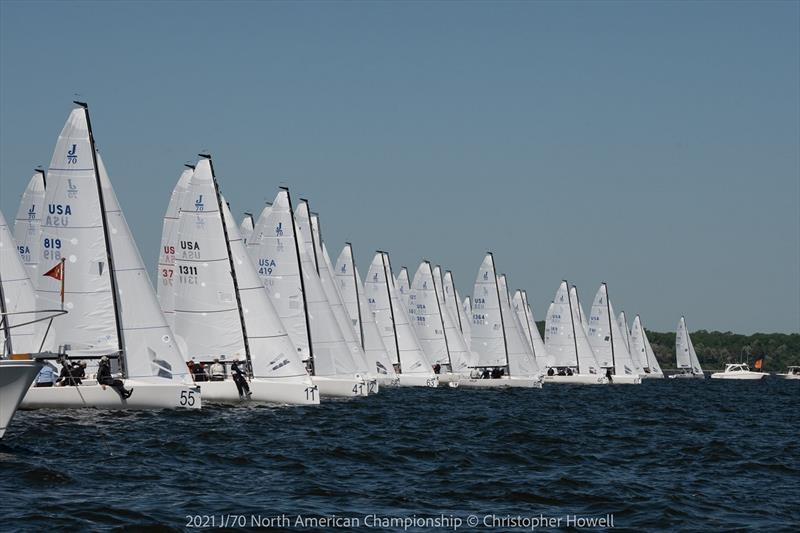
(758, 363)
(57, 272)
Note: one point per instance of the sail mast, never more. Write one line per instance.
(311, 231)
(572, 321)
(302, 282)
(441, 317)
(610, 330)
(358, 298)
(391, 307)
(231, 265)
(107, 237)
(500, 308)
(527, 320)
(4, 319)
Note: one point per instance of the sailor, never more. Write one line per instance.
(437, 368)
(46, 376)
(104, 378)
(496, 373)
(608, 375)
(241, 381)
(550, 371)
(486, 373)
(199, 372)
(217, 371)
(71, 373)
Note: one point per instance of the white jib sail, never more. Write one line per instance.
(18, 296)
(655, 368)
(466, 308)
(622, 324)
(560, 332)
(639, 346)
(27, 226)
(525, 314)
(454, 304)
(460, 355)
(355, 302)
(392, 319)
(521, 361)
(165, 289)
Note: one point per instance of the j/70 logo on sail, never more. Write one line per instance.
(72, 155)
(198, 204)
(32, 213)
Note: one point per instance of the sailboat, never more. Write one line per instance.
(432, 322)
(17, 332)
(113, 311)
(453, 302)
(27, 226)
(353, 296)
(410, 362)
(501, 359)
(289, 273)
(165, 289)
(608, 342)
(641, 346)
(325, 272)
(572, 358)
(525, 316)
(222, 311)
(688, 364)
(622, 324)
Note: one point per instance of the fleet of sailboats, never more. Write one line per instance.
(259, 312)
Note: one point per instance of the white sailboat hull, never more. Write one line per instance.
(15, 378)
(449, 377)
(514, 382)
(739, 375)
(277, 391)
(146, 395)
(387, 381)
(652, 376)
(340, 387)
(418, 380)
(579, 379)
(687, 376)
(626, 379)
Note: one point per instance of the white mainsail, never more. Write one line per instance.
(17, 300)
(352, 290)
(27, 226)
(488, 337)
(622, 323)
(424, 314)
(112, 308)
(221, 311)
(687, 357)
(640, 347)
(403, 284)
(165, 289)
(392, 319)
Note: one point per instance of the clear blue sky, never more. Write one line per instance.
(653, 145)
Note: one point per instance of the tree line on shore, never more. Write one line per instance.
(716, 348)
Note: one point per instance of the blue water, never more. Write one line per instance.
(685, 455)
